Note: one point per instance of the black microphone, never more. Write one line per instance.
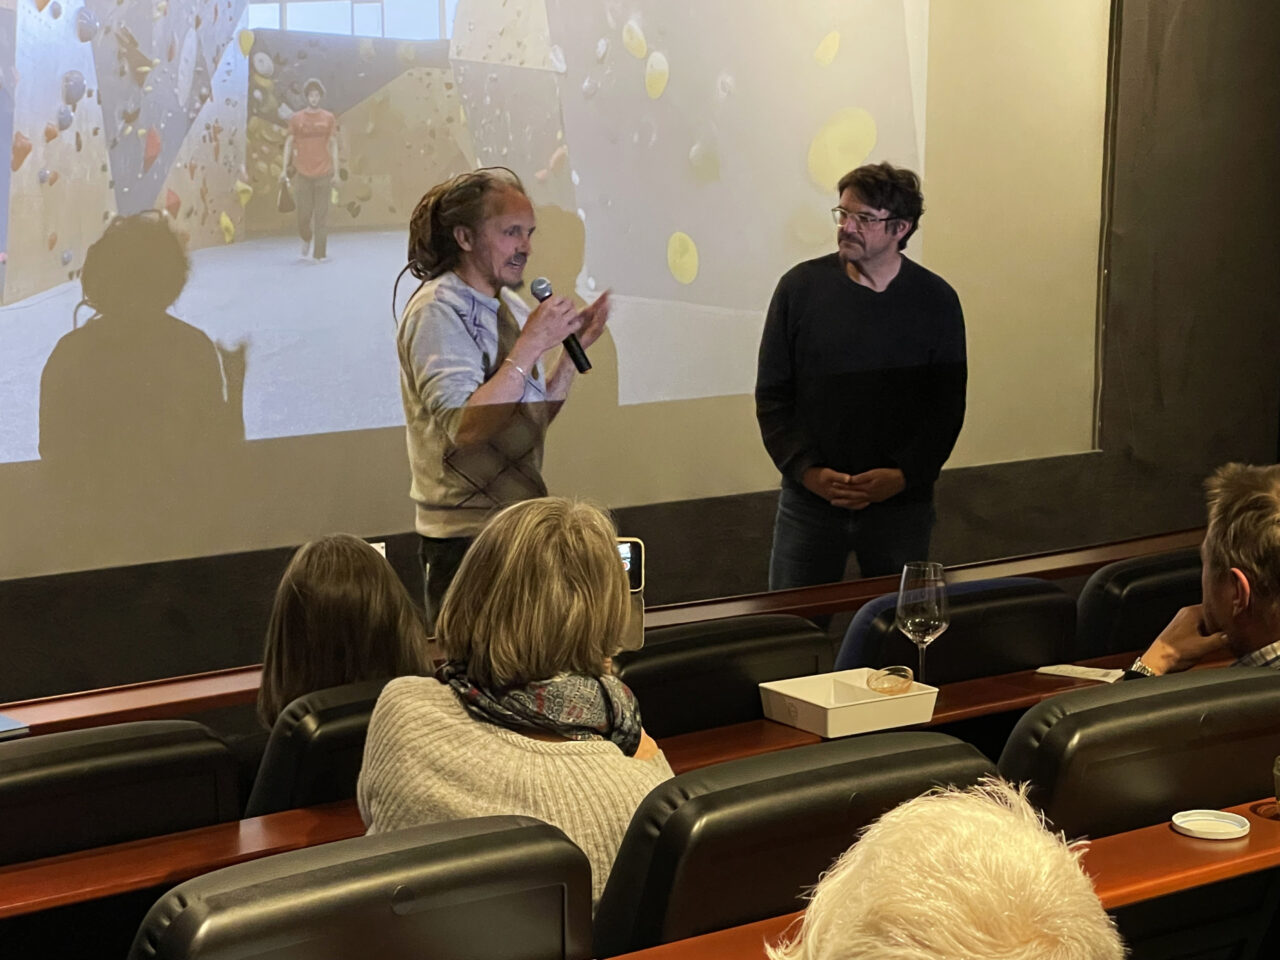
(541, 288)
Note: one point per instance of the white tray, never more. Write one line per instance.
(839, 704)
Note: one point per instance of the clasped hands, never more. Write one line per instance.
(854, 491)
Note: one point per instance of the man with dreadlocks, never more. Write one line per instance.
(477, 392)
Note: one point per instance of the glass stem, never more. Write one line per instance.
(920, 674)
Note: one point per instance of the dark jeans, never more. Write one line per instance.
(313, 195)
(440, 559)
(812, 539)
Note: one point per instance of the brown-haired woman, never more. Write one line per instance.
(525, 718)
(341, 615)
(477, 394)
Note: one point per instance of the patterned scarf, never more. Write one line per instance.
(570, 705)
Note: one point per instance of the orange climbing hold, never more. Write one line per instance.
(172, 203)
(21, 150)
(152, 149)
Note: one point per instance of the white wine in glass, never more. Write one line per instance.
(922, 606)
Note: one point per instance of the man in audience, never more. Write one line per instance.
(957, 875)
(1239, 581)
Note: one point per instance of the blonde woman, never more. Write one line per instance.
(525, 718)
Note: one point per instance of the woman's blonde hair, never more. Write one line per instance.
(541, 591)
(340, 615)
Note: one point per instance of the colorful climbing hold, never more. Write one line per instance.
(152, 150)
(72, 87)
(244, 192)
(228, 228)
(21, 150)
(172, 203)
(87, 25)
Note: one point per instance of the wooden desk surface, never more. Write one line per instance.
(956, 701)
(1126, 868)
(91, 874)
(181, 696)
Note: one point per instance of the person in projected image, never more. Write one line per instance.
(135, 399)
(310, 162)
(1239, 608)
(477, 379)
(860, 390)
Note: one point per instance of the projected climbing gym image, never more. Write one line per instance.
(622, 129)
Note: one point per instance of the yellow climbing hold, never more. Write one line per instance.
(228, 228)
(246, 41)
(656, 74)
(243, 192)
(682, 257)
(633, 39)
(843, 143)
(827, 48)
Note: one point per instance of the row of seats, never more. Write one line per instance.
(688, 678)
(739, 841)
(1020, 623)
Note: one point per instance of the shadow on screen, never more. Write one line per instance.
(139, 412)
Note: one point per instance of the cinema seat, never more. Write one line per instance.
(1131, 754)
(315, 750)
(61, 792)
(701, 675)
(742, 841)
(1124, 605)
(997, 626)
(492, 887)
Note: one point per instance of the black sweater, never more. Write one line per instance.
(853, 379)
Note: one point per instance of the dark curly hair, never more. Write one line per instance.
(886, 187)
(458, 202)
(138, 264)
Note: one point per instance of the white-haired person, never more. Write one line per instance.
(525, 717)
(956, 875)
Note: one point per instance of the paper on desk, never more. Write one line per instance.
(1082, 673)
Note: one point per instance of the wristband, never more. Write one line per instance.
(517, 366)
(1141, 668)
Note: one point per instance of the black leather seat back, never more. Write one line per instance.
(61, 792)
(992, 631)
(741, 841)
(1124, 605)
(701, 675)
(492, 887)
(1131, 754)
(315, 750)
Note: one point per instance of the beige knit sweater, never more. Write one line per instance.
(427, 760)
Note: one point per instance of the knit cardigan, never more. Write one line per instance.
(427, 760)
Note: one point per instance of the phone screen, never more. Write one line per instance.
(632, 554)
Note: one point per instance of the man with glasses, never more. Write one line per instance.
(860, 390)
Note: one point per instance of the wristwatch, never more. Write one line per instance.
(1141, 668)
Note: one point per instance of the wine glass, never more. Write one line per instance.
(922, 606)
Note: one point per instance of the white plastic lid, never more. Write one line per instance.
(1210, 824)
